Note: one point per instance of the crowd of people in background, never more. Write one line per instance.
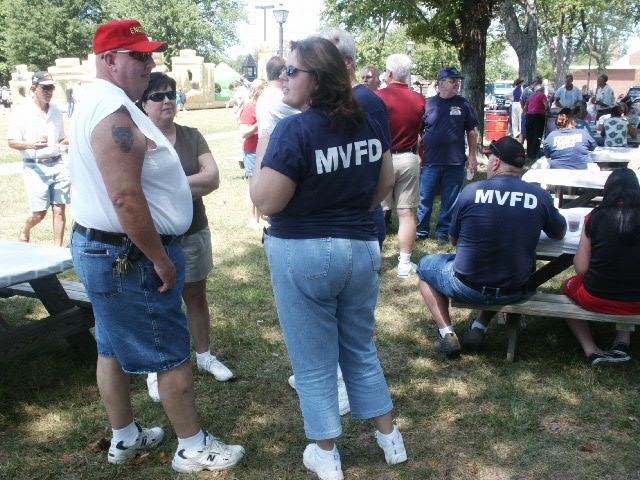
(329, 155)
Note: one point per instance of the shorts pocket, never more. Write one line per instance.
(309, 258)
(96, 272)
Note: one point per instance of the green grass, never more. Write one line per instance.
(547, 416)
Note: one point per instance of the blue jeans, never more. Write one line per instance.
(437, 271)
(449, 178)
(326, 291)
(146, 330)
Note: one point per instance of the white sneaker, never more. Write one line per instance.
(147, 438)
(343, 398)
(394, 451)
(325, 469)
(406, 269)
(152, 387)
(212, 455)
(214, 366)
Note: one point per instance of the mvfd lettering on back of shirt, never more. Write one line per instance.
(328, 162)
(526, 200)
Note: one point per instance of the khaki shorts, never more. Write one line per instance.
(406, 191)
(198, 255)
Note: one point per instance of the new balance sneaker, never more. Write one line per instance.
(406, 269)
(449, 345)
(147, 438)
(606, 358)
(152, 387)
(214, 366)
(473, 339)
(326, 469)
(212, 455)
(343, 398)
(394, 451)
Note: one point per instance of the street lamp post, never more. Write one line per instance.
(281, 16)
(264, 9)
(410, 46)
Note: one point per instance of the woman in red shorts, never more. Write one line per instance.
(607, 264)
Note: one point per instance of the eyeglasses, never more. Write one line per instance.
(454, 80)
(290, 70)
(139, 56)
(160, 96)
(48, 88)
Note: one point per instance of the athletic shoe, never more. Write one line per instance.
(214, 366)
(147, 438)
(406, 269)
(212, 455)
(620, 349)
(152, 387)
(343, 398)
(325, 469)
(473, 339)
(449, 345)
(394, 451)
(607, 357)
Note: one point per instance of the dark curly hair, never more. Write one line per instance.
(333, 95)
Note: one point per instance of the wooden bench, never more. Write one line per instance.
(75, 291)
(546, 305)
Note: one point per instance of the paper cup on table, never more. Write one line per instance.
(573, 221)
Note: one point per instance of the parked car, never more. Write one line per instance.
(634, 93)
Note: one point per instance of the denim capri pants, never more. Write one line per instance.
(144, 329)
(326, 291)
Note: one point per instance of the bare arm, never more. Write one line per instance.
(26, 144)
(119, 147)
(247, 130)
(270, 191)
(583, 255)
(207, 179)
(472, 139)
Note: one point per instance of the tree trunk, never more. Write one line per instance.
(473, 52)
(523, 40)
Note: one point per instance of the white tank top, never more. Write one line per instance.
(163, 180)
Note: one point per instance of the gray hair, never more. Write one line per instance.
(400, 65)
(343, 41)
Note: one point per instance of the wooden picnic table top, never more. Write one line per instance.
(21, 262)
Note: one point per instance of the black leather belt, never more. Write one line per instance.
(411, 150)
(487, 290)
(115, 239)
(43, 160)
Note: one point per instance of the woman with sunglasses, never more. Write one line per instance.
(159, 102)
(607, 263)
(323, 171)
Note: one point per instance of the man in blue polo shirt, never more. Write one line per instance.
(447, 118)
(495, 227)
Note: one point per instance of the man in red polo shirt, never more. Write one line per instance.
(406, 109)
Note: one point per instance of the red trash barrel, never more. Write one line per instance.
(496, 124)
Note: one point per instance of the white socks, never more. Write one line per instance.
(201, 357)
(445, 330)
(477, 324)
(326, 454)
(127, 434)
(390, 437)
(191, 443)
(405, 257)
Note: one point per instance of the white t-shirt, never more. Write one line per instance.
(270, 110)
(163, 180)
(28, 122)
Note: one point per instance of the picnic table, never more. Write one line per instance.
(28, 269)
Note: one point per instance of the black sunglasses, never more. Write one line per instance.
(290, 71)
(48, 88)
(139, 56)
(159, 96)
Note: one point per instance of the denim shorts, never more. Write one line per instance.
(249, 162)
(198, 255)
(146, 330)
(437, 271)
(47, 184)
(326, 291)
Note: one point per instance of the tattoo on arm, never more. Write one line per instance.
(123, 136)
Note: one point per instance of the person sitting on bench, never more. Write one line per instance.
(607, 263)
(496, 226)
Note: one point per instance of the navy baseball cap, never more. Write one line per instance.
(42, 78)
(449, 72)
(508, 150)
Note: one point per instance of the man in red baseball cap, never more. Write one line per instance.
(132, 204)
